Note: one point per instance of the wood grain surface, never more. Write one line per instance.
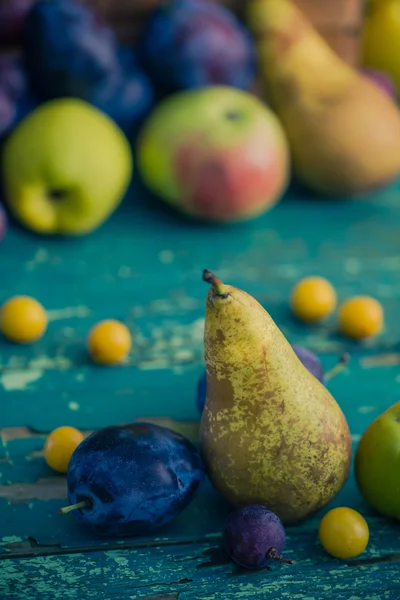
(144, 267)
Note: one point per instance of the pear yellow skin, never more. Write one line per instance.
(344, 132)
(377, 463)
(270, 432)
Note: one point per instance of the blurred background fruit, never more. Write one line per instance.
(66, 168)
(216, 153)
(109, 342)
(313, 299)
(85, 61)
(361, 317)
(83, 50)
(377, 463)
(3, 222)
(194, 43)
(12, 19)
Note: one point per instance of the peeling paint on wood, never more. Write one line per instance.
(144, 268)
(382, 360)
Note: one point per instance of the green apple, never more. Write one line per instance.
(216, 153)
(377, 463)
(66, 168)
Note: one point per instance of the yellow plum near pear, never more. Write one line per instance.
(343, 131)
(23, 319)
(66, 168)
(217, 153)
(377, 463)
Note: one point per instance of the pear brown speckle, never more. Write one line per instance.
(270, 433)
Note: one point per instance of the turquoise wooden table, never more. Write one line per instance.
(144, 267)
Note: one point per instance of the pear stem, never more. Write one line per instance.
(216, 283)
(339, 367)
(274, 555)
(77, 506)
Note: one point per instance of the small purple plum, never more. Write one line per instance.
(201, 392)
(314, 365)
(310, 361)
(254, 537)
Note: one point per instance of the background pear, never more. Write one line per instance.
(270, 432)
(344, 132)
(377, 463)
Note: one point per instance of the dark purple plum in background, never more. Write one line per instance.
(133, 478)
(7, 113)
(192, 43)
(15, 98)
(3, 222)
(85, 62)
(129, 98)
(12, 20)
(201, 392)
(254, 537)
(84, 52)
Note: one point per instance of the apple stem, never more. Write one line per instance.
(274, 555)
(218, 286)
(78, 505)
(339, 367)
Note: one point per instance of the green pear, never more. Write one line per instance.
(377, 463)
(66, 168)
(270, 433)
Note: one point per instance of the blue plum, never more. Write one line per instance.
(201, 392)
(67, 51)
(133, 478)
(85, 61)
(128, 99)
(254, 536)
(192, 43)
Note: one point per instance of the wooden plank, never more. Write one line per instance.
(144, 267)
(202, 571)
(150, 274)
